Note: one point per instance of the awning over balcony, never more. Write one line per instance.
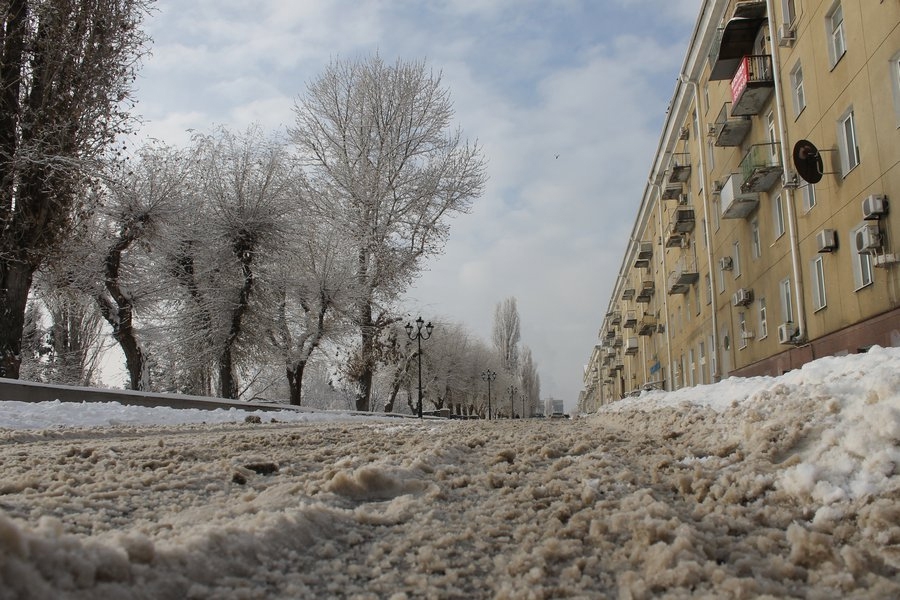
(737, 41)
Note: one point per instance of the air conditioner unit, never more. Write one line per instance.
(874, 207)
(786, 333)
(867, 239)
(786, 35)
(742, 297)
(826, 240)
(726, 263)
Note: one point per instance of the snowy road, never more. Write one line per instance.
(675, 503)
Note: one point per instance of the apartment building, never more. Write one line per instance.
(766, 236)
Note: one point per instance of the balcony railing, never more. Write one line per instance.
(645, 253)
(630, 320)
(728, 130)
(761, 167)
(646, 292)
(683, 276)
(648, 325)
(680, 171)
(752, 85)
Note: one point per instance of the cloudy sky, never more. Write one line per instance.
(567, 98)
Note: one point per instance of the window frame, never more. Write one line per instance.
(847, 134)
(837, 39)
(817, 271)
(755, 244)
(809, 197)
(778, 215)
(787, 300)
(798, 92)
(736, 259)
(763, 318)
(863, 269)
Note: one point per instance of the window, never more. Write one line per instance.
(706, 97)
(834, 24)
(713, 360)
(847, 138)
(895, 85)
(755, 248)
(716, 213)
(721, 280)
(697, 299)
(701, 375)
(707, 280)
(862, 264)
(691, 366)
(743, 336)
(809, 196)
(711, 154)
(736, 260)
(778, 216)
(797, 89)
(817, 266)
(788, 11)
(763, 321)
(787, 306)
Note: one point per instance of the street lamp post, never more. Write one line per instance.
(512, 396)
(418, 337)
(489, 376)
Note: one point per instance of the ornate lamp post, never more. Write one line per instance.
(418, 337)
(512, 396)
(489, 376)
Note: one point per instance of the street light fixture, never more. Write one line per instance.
(418, 337)
(512, 396)
(489, 376)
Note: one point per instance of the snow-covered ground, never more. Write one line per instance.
(764, 487)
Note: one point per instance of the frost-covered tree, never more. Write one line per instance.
(506, 334)
(383, 165)
(531, 382)
(242, 193)
(318, 288)
(66, 71)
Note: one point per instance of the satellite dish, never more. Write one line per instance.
(808, 161)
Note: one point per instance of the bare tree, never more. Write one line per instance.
(66, 70)
(506, 334)
(381, 163)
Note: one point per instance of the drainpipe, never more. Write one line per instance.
(789, 184)
(706, 237)
(662, 253)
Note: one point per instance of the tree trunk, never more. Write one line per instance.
(295, 381)
(15, 282)
(364, 380)
(227, 381)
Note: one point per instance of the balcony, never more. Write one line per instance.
(680, 171)
(736, 39)
(752, 85)
(615, 318)
(729, 131)
(648, 325)
(617, 342)
(646, 292)
(681, 222)
(645, 253)
(673, 191)
(628, 294)
(684, 275)
(630, 320)
(735, 202)
(631, 346)
(761, 167)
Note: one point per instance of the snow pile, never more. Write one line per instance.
(768, 487)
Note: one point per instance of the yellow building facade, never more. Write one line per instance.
(766, 236)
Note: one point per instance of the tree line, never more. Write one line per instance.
(233, 264)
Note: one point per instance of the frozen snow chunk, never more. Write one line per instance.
(374, 484)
